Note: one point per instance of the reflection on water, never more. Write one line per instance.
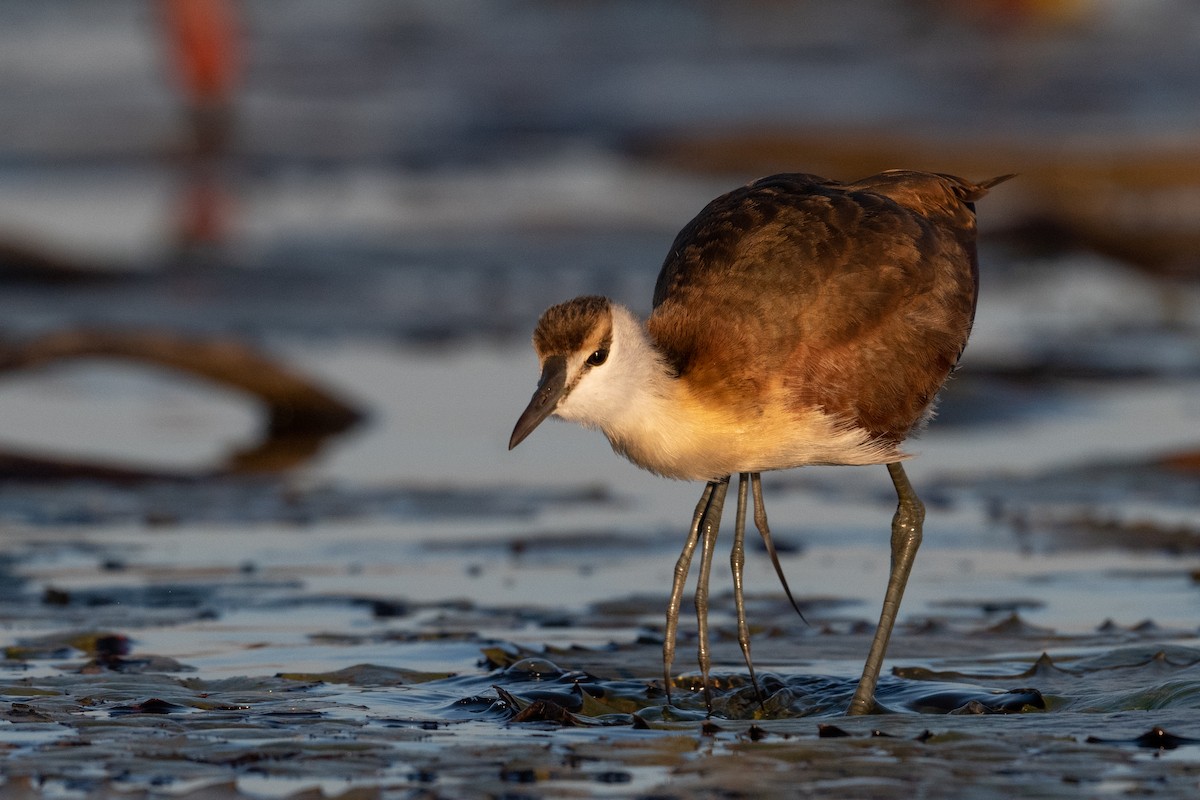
(380, 198)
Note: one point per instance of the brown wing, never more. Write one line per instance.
(857, 297)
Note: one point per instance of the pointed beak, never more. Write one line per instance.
(549, 391)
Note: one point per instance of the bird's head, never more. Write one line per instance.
(576, 345)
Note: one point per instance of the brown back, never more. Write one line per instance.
(858, 298)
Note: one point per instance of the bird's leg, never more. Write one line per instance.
(681, 572)
(709, 529)
(737, 563)
(906, 538)
(760, 521)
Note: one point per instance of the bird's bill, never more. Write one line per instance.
(550, 390)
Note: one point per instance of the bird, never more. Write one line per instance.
(796, 321)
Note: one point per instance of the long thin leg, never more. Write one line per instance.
(760, 522)
(737, 563)
(709, 528)
(681, 572)
(906, 538)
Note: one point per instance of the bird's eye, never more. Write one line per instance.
(597, 358)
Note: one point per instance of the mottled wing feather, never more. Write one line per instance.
(856, 298)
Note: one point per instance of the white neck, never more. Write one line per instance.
(641, 406)
(632, 386)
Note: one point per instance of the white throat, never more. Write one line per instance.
(632, 385)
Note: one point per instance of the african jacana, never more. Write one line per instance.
(796, 321)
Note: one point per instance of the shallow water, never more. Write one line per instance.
(417, 612)
(445, 622)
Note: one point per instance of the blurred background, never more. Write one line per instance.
(268, 269)
(334, 224)
(441, 170)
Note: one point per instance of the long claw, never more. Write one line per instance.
(760, 521)
(710, 527)
(906, 538)
(737, 563)
(681, 572)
